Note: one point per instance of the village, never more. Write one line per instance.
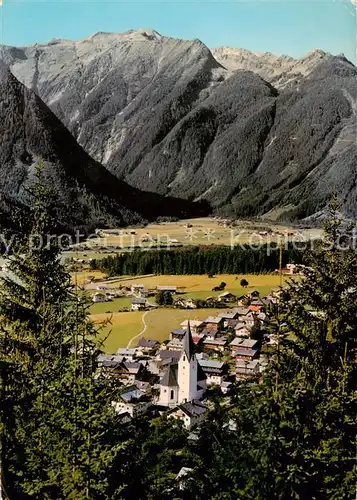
(200, 359)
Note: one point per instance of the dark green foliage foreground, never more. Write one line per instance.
(240, 259)
(291, 437)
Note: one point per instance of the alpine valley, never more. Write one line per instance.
(250, 134)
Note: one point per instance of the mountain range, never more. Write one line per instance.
(252, 134)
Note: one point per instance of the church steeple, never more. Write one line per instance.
(188, 344)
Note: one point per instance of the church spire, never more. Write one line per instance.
(188, 344)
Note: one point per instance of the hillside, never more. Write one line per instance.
(89, 196)
(254, 134)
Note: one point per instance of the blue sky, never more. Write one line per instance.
(291, 27)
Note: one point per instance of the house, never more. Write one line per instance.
(166, 288)
(185, 303)
(146, 346)
(214, 371)
(181, 477)
(99, 297)
(102, 288)
(214, 323)
(138, 304)
(139, 291)
(165, 354)
(128, 353)
(178, 333)
(209, 334)
(230, 314)
(239, 343)
(214, 344)
(247, 369)
(248, 344)
(128, 372)
(190, 413)
(183, 380)
(250, 319)
(242, 330)
(133, 401)
(242, 311)
(245, 354)
(255, 308)
(226, 297)
(234, 345)
(231, 323)
(108, 363)
(174, 345)
(196, 325)
(226, 386)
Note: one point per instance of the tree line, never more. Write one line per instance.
(198, 260)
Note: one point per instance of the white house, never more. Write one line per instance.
(138, 304)
(99, 297)
(190, 413)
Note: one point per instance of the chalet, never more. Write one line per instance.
(255, 308)
(196, 326)
(248, 344)
(138, 304)
(99, 297)
(234, 345)
(214, 345)
(178, 333)
(185, 303)
(165, 354)
(214, 371)
(226, 386)
(245, 354)
(209, 333)
(242, 311)
(129, 371)
(230, 314)
(133, 401)
(239, 343)
(242, 330)
(226, 297)
(139, 290)
(181, 477)
(174, 345)
(214, 323)
(167, 288)
(128, 353)
(145, 346)
(247, 369)
(250, 319)
(190, 413)
(231, 323)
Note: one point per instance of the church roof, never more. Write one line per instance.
(187, 343)
(200, 373)
(170, 377)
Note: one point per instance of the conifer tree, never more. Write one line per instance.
(58, 437)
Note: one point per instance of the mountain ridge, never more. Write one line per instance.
(31, 134)
(165, 115)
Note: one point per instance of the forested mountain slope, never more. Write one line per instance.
(164, 115)
(88, 194)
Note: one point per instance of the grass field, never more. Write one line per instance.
(204, 231)
(80, 278)
(111, 307)
(124, 326)
(200, 286)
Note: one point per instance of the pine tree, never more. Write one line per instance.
(58, 437)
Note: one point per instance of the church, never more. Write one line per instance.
(183, 380)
